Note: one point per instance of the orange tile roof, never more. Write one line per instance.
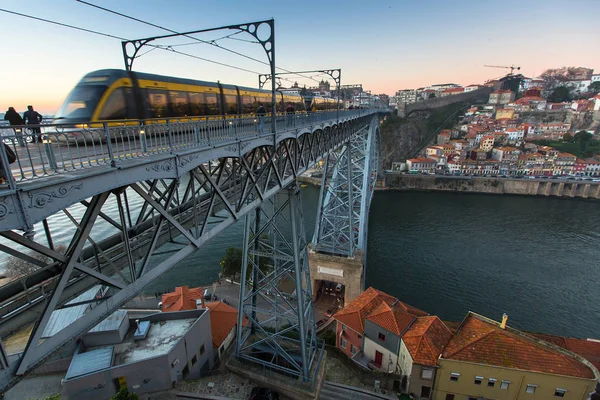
(588, 349)
(393, 319)
(482, 341)
(223, 318)
(355, 312)
(421, 160)
(426, 339)
(183, 298)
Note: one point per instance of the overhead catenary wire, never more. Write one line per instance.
(123, 39)
(210, 42)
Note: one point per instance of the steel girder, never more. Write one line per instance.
(185, 212)
(275, 289)
(349, 177)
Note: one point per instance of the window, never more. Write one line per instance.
(454, 376)
(504, 385)
(231, 102)
(427, 373)
(116, 105)
(212, 105)
(478, 380)
(343, 343)
(492, 382)
(344, 328)
(196, 104)
(158, 103)
(381, 337)
(352, 349)
(530, 388)
(179, 103)
(560, 392)
(202, 349)
(449, 396)
(185, 371)
(194, 359)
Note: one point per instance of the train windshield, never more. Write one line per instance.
(80, 104)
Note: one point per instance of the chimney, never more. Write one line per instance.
(137, 326)
(504, 319)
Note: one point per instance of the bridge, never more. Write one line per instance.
(183, 182)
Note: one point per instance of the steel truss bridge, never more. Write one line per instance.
(182, 183)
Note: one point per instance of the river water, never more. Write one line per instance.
(534, 258)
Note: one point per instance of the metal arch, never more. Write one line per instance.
(206, 200)
(349, 177)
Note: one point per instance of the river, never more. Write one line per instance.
(534, 258)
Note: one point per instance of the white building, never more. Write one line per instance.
(406, 96)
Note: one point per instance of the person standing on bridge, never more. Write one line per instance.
(14, 119)
(289, 111)
(33, 117)
(260, 113)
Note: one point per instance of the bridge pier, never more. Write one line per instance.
(349, 271)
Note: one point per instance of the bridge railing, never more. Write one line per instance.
(67, 148)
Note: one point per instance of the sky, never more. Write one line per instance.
(386, 45)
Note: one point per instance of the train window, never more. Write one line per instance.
(158, 103)
(81, 102)
(179, 103)
(115, 106)
(231, 101)
(197, 104)
(212, 105)
(248, 104)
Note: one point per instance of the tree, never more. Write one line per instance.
(16, 267)
(560, 94)
(594, 87)
(431, 95)
(583, 136)
(231, 264)
(567, 137)
(555, 76)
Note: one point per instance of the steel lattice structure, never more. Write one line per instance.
(177, 199)
(275, 296)
(347, 187)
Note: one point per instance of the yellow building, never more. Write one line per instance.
(489, 360)
(503, 113)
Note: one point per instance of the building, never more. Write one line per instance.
(156, 352)
(223, 323)
(183, 298)
(470, 88)
(487, 144)
(489, 360)
(503, 113)
(420, 349)
(501, 97)
(592, 167)
(444, 137)
(452, 91)
(421, 164)
(406, 96)
(350, 321)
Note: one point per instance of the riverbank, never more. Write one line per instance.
(489, 185)
(309, 180)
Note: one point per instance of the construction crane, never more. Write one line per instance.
(512, 67)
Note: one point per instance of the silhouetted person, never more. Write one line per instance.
(260, 113)
(289, 111)
(13, 119)
(33, 117)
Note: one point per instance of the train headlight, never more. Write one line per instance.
(142, 132)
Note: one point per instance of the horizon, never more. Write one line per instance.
(386, 46)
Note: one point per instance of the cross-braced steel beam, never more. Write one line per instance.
(276, 326)
(349, 177)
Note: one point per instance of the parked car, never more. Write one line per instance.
(262, 393)
(321, 322)
(338, 288)
(331, 312)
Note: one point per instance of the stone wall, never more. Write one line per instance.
(527, 187)
(436, 102)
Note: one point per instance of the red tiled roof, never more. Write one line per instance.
(223, 318)
(588, 349)
(482, 341)
(421, 160)
(393, 319)
(355, 312)
(426, 339)
(183, 298)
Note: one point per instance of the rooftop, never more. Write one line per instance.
(162, 336)
(355, 312)
(482, 341)
(587, 348)
(183, 298)
(394, 319)
(425, 340)
(223, 318)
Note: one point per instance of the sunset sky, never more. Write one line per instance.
(385, 45)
